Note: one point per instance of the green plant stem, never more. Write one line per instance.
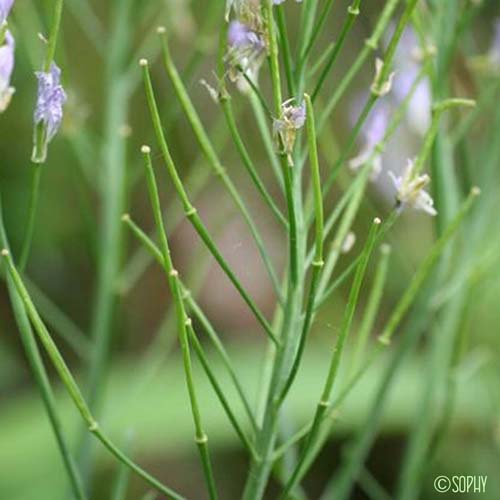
(285, 168)
(54, 33)
(209, 152)
(352, 14)
(318, 257)
(372, 307)
(198, 312)
(247, 161)
(285, 48)
(189, 209)
(370, 46)
(220, 394)
(40, 375)
(183, 324)
(113, 150)
(68, 380)
(324, 401)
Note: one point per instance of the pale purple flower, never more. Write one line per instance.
(279, 2)
(246, 53)
(240, 36)
(50, 100)
(6, 68)
(410, 190)
(5, 6)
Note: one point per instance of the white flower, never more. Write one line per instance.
(410, 190)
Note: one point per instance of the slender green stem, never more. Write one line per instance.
(286, 170)
(318, 257)
(114, 450)
(372, 307)
(324, 402)
(41, 377)
(247, 161)
(352, 14)
(189, 209)
(370, 46)
(197, 311)
(183, 323)
(54, 33)
(285, 48)
(220, 393)
(310, 35)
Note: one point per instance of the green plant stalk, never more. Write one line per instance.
(183, 323)
(289, 321)
(197, 180)
(318, 257)
(189, 209)
(209, 151)
(113, 194)
(424, 270)
(285, 168)
(386, 225)
(285, 49)
(352, 14)
(343, 481)
(121, 481)
(198, 312)
(40, 375)
(68, 380)
(247, 161)
(220, 394)
(370, 46)
(324, 401)
(43, 383)
(344, 228)
(372, 307)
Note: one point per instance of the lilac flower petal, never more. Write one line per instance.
(6, 68)
(50, 100)
(5, 6)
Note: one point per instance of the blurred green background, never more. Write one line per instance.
(145, 402)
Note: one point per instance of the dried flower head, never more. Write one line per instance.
(285, 127)
(6, 68)
(410, 190)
